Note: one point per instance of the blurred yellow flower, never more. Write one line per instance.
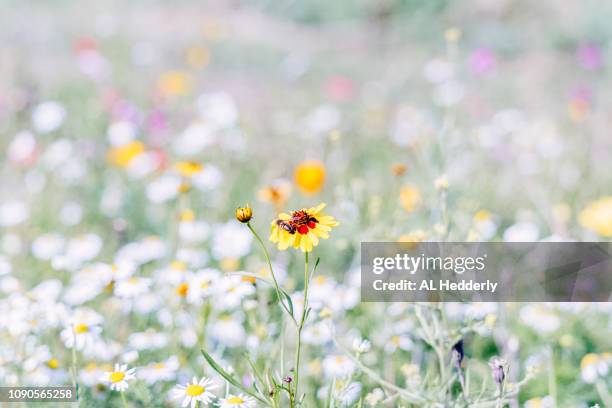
(187, 215)
(175, 83)
(277, 194)
(229, 264)
(589, 359)
(413, 236)
(198, 57)
(597, 216)
(310, 176)
(122, 155)
(188, 168)
(52, 363)
(410, 197)
(399, 169)
(302, 229)
(482, 215)
(182, 289)
(452, 35)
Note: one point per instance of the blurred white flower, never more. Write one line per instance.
(231, 240)
(47, 246)
(338, 366)
(161, 371)
(218, 108)
(438, 70)
(163, 188)
(522, 232)
(13, 213)
(121, 132)
(22, 148)
(48, 116)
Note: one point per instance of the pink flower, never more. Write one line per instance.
(589, 56)
(482, 61)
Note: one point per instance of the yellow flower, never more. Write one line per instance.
(182, 289)
(309, 176)
(482, 215)
(175, 83)
(122, 155)
(597, 216)
(302, 229)
(410, 197)
(244, 214)
(187, 215)
(188, 168)
(198, 57)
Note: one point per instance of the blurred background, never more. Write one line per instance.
(413, 120)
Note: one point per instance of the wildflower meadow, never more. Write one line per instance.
(185, 187)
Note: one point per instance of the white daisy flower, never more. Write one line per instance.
(159, 371)
(196, 391)
(237, 401)
(119, 377)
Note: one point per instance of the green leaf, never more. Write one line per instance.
(229, 378)
(289, 301)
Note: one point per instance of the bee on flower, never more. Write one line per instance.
(119, 377)
(195, 392)
(302, 228)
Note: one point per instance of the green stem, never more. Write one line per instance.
(125, 405)
(552, 377)
(74, 363)
(267, 255)
(298, 345)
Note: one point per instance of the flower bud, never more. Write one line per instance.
(498, 370)
(244, 214)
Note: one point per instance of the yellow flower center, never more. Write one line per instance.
(482, 215)
(81, 328)
(194, 390)
(187, 216)
(117, 376)
(182, 289)
(53, 363)
(188, 168)
(178, 266)
(235, 400)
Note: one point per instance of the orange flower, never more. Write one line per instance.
(309, 176)
(277, 194)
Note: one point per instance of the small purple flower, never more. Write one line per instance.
(499, 368)
(482, 61)
(589, 56)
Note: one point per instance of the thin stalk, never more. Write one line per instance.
(276, 287)
(552, 378)
(125, 405)
(74, 363)
(298, 345)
